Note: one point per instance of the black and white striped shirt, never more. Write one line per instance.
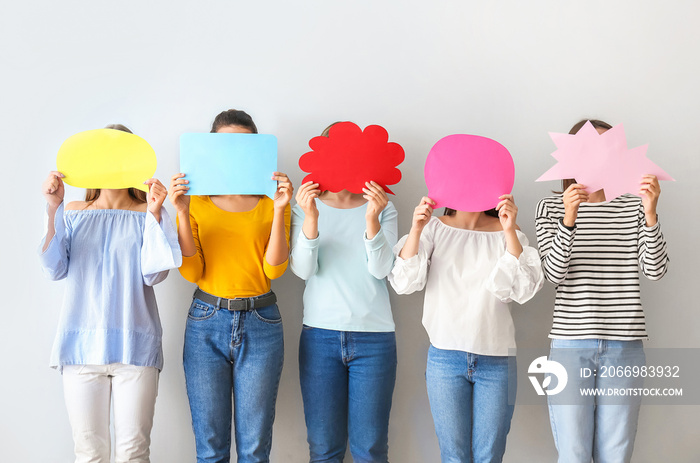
(595, 266)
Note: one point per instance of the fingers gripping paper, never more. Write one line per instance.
(468, 172)
(349, 156)
(106, 158)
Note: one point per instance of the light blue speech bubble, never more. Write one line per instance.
(229, 163)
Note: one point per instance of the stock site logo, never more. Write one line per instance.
(550, 368)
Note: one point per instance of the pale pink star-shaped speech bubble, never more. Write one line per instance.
(601, 161)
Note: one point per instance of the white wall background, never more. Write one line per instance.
(509, 70)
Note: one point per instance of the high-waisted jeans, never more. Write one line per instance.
(469, 400)
(233, 354)
(598, 428)
(347, 383)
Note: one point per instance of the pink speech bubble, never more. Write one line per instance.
(468, 172)
(601, 161)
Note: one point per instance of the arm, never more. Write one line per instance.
(53, 191)
(555, 240)
(305, 241)
(277, 252)
(54, 250)
(413, 251)
(516, 278)
(160, 250)
(380, 241)
(187, 232)
(54, 253)
(651, 245)
(507, 215)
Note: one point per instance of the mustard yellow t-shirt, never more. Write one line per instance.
(231, 246)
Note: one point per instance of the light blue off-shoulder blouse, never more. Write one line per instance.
(110, 259)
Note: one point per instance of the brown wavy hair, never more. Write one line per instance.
(91, 194)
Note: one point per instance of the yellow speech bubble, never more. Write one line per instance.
(106, 158)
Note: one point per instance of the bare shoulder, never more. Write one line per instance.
(141, 207)
(77, 205)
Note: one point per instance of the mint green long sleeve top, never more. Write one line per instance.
(345, 272)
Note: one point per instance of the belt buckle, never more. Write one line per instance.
(247, 304)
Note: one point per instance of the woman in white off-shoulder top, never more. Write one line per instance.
(472, 265)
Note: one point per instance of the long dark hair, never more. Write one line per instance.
(91, 194)
(491, 212)
(598, 124)
(234, 117)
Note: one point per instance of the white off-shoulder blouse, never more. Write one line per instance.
(470, 278)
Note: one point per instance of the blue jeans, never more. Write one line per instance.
(233, 353)
(598, 428)
(469, 401)
(347, 381)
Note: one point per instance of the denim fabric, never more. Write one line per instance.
(469, 401)
(601, 428)
(233, 353)
(347, 382)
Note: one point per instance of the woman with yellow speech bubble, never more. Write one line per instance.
(233, 246)
(111, 249)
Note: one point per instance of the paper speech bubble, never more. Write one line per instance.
(601, 161)
(349, 156)
(106, 158)
(468, 173)
(229, 163)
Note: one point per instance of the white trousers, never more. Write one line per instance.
(88, 391)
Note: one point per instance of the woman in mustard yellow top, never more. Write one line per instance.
(232, 246)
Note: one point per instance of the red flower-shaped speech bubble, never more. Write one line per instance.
(349, 156)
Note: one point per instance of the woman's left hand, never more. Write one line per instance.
(650, 191)
(376, 199)
(284, 190)
(507, 212)
(155, 197)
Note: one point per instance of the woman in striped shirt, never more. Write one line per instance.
(592, 249)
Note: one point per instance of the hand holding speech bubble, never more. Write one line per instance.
(106, 158)
(468, 172)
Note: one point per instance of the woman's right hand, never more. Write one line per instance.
(306, 199)
(573, 197)
(53, 189)
(421, 217)
(422, 213)
(178, 188)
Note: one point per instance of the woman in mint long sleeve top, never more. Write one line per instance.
(342, 246)
(345, 272)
